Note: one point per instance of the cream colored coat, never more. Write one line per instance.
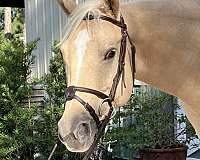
(166, 34)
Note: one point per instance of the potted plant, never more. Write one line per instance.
(150, 126)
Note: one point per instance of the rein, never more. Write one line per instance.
(71, 90)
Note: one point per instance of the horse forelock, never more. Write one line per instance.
(89, 8)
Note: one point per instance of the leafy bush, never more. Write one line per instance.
(46, 127)
(15, 121)
(1, 18)
(18, 16)
(55, 80)
(148, 122)
(27, 131)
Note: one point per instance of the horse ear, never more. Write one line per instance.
(67, 5)
(112, 6)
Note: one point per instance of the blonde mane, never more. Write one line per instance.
(90, 7)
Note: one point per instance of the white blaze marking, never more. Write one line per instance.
(81, 44)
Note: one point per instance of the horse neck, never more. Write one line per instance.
(153, 38)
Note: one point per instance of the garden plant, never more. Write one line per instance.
(149, 122)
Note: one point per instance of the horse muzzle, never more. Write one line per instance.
(80, 138)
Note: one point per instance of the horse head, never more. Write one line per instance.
(91, 50)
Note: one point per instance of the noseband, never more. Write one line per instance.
(72, 90)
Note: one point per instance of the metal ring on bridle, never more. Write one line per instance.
(105, 100)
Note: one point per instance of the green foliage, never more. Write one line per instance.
(149, 123)
(1, 18)
(18, 16)
(15, 59)
(45, 133)
(55, 80)
(28, 132)
(16, 121)
(46, 127)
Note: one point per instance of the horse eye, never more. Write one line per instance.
(110, 54)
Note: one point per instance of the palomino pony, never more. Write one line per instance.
(166, 34)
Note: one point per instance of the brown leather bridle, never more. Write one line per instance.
(71, 90)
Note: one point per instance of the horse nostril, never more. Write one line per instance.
(85, 128)
(84, 124)
(82, 132)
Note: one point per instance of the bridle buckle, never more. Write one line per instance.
(70, 93)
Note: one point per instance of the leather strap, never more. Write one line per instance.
(121, 62)
(71, 94)
(71, 90)
(106, 18)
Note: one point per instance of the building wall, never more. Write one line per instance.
(44, 20)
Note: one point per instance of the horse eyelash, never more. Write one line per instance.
(111, 49)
